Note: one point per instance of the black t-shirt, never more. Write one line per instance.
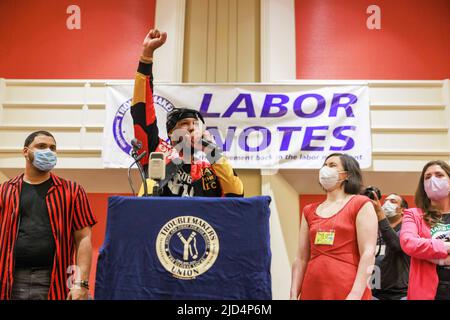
(35, 245)
(442, 231)
(181, 183)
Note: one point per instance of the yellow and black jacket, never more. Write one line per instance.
(208, 180)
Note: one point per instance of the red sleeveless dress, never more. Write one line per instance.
(331, 270)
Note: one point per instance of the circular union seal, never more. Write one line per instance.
(187, 247)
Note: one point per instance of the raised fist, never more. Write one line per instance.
(153, 41)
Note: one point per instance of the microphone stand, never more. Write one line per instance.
(137, 157)
(156, 189)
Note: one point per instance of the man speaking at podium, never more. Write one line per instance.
(194, 164)
(189, 248)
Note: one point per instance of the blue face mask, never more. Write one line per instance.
(44, 160)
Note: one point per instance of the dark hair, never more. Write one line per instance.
(353, 184)
(432, 215)
(29, 140)
(404, 203)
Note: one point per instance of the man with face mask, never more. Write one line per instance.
(393, 263)
(45, 222)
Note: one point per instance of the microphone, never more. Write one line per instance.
(215, 152)
(204, 142)
(209, 144)
(139, 157)
(137, 145)
(157, 166)
(157, 171)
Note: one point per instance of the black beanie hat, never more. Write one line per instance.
(177, 114)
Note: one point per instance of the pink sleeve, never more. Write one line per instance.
(416, 246)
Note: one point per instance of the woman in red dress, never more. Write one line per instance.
(337, 240)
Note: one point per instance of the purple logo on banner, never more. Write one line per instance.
(119, 131)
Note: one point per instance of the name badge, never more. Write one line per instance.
(325, 238)
(382, 250)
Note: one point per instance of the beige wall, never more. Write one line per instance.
(251, 180)
(221, 45)
(284, 226)
(222, 41)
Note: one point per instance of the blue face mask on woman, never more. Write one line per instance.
(44, 160)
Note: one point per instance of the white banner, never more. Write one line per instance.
(258, 126)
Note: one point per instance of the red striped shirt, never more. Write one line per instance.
(68, 210)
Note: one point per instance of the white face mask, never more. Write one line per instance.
(390, 209)
(329, 177)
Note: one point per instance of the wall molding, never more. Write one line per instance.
(170, 17)
(278, 50)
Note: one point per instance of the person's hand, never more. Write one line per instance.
(378, 208)
(293, 296)
(441, 262)
(214, 153)
(208, 137)
(447, 246)
(78, 294)
(446, 261)
(153, 41)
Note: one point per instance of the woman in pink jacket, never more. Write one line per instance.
(425, 235)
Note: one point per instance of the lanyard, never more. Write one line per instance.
(327, 237)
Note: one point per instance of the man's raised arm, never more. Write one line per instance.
(143, 110)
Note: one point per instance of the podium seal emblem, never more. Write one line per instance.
(187, 247)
